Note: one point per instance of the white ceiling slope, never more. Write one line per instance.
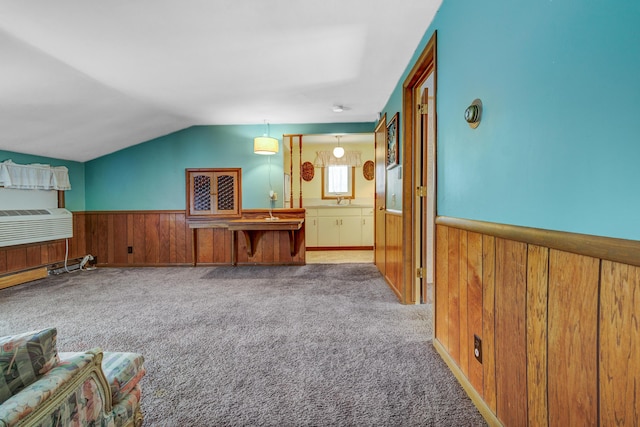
(80, 79)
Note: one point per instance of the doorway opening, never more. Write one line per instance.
(419, 188)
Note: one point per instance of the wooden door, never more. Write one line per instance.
(380, 199)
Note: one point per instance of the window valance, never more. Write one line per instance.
(35, 176)
(326, 158)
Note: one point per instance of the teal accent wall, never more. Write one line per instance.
(558, 144)
(74, 198)
(151, 175)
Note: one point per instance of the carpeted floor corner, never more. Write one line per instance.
(314, 345)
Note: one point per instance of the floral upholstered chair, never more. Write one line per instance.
(41, 387)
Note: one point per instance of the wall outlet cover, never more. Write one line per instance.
(477, 348)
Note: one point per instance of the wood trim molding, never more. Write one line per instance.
(135, 211)
(475, 397)
(607, 248)
(425, 64)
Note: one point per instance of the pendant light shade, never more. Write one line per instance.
(265, 145)
(338, 151)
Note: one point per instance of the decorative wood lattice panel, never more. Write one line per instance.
(226, 194)
(201, 193)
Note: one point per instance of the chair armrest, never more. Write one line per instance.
(40, 399)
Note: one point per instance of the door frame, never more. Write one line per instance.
(411, 133)
(379, 204)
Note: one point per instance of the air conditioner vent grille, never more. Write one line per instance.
(22, 212)
(34, 225)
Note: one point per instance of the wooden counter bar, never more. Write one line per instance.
(263, 240)
(252, 230)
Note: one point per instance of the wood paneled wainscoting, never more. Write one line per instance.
(163, 238)
(557, 315)
(393, 251)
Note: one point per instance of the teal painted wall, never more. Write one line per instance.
(74, 198)
(558, 145)
(151, 175)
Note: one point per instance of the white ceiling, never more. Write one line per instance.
(80, 79)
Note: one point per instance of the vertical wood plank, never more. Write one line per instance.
(454, 294)
(393, 255)
(182, 248)
(510, 333)
(268, 245)
(464, 305)
(101, 242)
(3, 260)
(173, 244)
(572, 340)
(474, 298)
(441, 286)
(219, 248)
(33, 255)
(120, 239)
(227, 247)
(205, 245)
(111, 235)
(619, 345)
(164, 238)
(16, 258)
(78, 244)
(152, 238)
(130, 238)
(139, 239)
(537, 293)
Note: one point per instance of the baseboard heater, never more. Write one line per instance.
(20, 226)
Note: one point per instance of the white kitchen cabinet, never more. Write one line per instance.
(367, 226)
(338, 227)
(350, 231)
(311, 228)
(328, 231)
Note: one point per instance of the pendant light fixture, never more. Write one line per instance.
(265, 144)
(338, 151)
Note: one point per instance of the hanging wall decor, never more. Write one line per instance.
(307, 171)
(368, 170)
(393, 140)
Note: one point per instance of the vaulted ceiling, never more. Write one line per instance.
(80, 79)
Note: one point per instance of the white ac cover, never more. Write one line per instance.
(21, 226)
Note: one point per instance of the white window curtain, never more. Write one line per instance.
(326, 158)
(35, 176)
(338, 179)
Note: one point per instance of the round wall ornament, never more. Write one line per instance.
(307, 171)
(368, 169)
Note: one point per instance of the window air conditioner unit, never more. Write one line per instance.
(34, 225)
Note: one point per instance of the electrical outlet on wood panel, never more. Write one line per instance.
(477, 348)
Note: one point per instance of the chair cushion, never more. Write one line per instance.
(24, 358)
(123, 371)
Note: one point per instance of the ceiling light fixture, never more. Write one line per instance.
(265, 144)
(338, 151)
(338, 108)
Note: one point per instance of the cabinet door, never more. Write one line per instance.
(213, 192)
(329, 231)
(311, 231)
(200, 193)
(367, 231)
(226, 195)
(350, 231)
